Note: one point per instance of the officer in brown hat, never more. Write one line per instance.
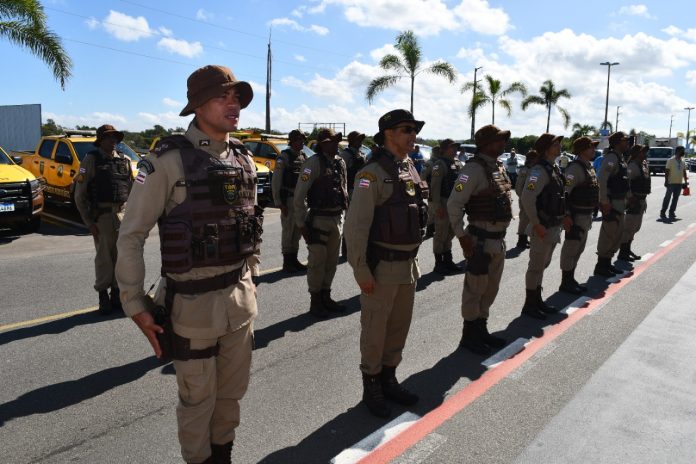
(444, 175)
(582, 195)
(383, 229)
(427, 176)
(285, 176)
(613, 188)
(531, 159)
(321, 197)
(482, 190)
(200, 188)
(636, 205)
(355, 161)
(544, 201)
(101, 190)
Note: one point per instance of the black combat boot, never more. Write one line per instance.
(288, 264)
(488, 339)
(209, 460)
(625, 253)
(634, 256)
(602, 267)
(429, 230)
(221, 454)
(440, 267)
(543, 306)
(296, 262)
(582, 288)
(450, 265)
(472, 339)
(531, 306)
(662, 215)
(316, 307)
(330, 304)
(522, 241)
(373, 397)
(614, 269)
(569, 285)
(116, 299)
(104, 302)
(393, 390)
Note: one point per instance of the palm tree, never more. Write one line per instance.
(549, 97)
(409, 64)
(23, 22)
(495, 94)
(581, 130)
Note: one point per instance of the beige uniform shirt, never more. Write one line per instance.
(155, 193)
(282, 163)
(610, 166)
(521, 180)
(374, 186)
(84, 177)
(537, 179)
(310, 172)
(471, 181)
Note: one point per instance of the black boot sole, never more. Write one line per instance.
(535, 314)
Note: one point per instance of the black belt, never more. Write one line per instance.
(387, 254)
(481, 233)
(195, 287)
(318, 213)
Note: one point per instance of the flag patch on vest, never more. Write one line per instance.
(140, 178)
(463, 178)
(364, 183)
(307, 171)
(83, 170)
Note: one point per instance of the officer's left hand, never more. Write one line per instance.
(567, 223)
(467, 243)
(367, 287)
(146, 323)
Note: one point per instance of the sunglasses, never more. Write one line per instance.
(406, 129)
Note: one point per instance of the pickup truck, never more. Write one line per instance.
(657, 158)
(57, 159)
(21, 196)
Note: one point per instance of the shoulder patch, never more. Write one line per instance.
(82, 170)
(459, 187)
(463, 178)
(531, 186)
(146, 165)
(80, 177)
(307, 171)
(533, 179)
(364, 183)
(304, 177)
(367, 175)
(140, 178)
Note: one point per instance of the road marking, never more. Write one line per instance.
(366, 445)
(679, 234)
(666, 243)
(507, 352)
(421, 451)
(461, 399)
(646, 256)
(575, 305)
(64, 221)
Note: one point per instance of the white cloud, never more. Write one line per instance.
(300, 58)
(691, 77)
(180, 47)
(321, 30)
(478, 16)
(471, 54)
(674, 31)
(165, 32)
(126, 28)
(171, 102)
(203, 15)
(92, 23)
(635, 10)
(95, 119)
(291, 23)
(379, 53)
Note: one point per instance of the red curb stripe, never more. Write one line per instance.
(460, 400)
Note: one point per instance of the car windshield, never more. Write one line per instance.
(82, 148)
(307, 151)
(281, 146)
(660, 153)
(4, 159)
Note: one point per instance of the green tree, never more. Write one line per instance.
(494, 94)
(51, 128)
(548, 97)
(409, 64)
(23, 22)
(582, 130)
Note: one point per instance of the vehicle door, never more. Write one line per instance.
(268, 152)
(38, 164)
(65, 169)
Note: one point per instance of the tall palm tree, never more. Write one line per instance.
(495, 94)
(581, 130)
(23, 22)
(408, 64)
(549, 97)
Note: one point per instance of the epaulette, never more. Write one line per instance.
(173, 142)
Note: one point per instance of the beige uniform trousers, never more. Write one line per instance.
(632, 223)
(610, 235)
(573, 248)
(323, 259)
(524, 222)
(442, 240)
(210, 391)
(540, 254)
(385, 319)
(105, 259)
(480, 290)
(290, 241)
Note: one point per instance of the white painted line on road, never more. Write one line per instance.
(665, 243)
(679, 234)
(64, 221)
(647, 256)
(575, 305)
(419, 452)
(693, 224)
(362, 448)
(506, 353)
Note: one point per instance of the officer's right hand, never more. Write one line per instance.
(367, 287)
(283, 210)
(467, 243)
(146, 324)
(606, 208)
(539, 231)
(94, 230)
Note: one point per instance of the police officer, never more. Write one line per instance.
(383, 229)
(444, 175)
(323, 184)
(101, 190)
(426, 175)
(639, 183)
(482, 189)
(201, 189)
(285, 175)
(543, 200)
(355, 161)
(582, 195)
(613, 187)
(520, 184)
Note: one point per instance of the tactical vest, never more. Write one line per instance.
(618, 184)
(400, 219)
(218, 223)
(356, 164)
(327, 190)
(112, 179)
(584, 198)
(493, 204)
(292, 171)
(640, 186)
(449, 176)
(550, 203)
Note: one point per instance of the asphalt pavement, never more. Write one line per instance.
(85, 388)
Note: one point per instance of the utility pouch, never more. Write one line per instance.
(480, 261)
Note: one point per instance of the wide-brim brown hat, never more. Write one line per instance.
(635, 150)
(489, 134)
(107, 129)
(583, 143)
(545, 141)
(395, 117)
(210, 81)
(296, 134)
(616, 137)
(445, 144)
(328, 135)
(355, 136)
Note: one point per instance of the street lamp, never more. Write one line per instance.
(605, 124)
(688, 119)
(473, 109)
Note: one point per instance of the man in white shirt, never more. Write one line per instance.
(675, 180)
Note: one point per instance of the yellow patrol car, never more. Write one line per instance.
(21, 196)
(267, 147)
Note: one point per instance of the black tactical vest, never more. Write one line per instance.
(494, 204)
(584, 198)
(449, 177)
(328, 191)
(357, 162)
(550, 203)
(218, 223)
(112, 179)
(618, 184)
(292, 171)
(400, 219)
(640, 186)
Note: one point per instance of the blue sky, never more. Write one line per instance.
(132, 58)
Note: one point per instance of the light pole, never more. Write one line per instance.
(616, 126)
(671, 119)
(688, 120)
(605, 124)
(473, 109)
